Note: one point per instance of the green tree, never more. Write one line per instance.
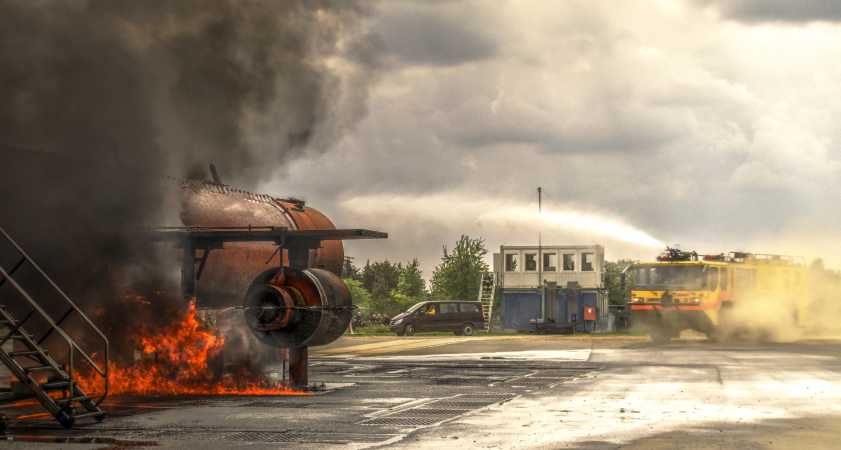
(349, 270)
(411, 281)
(460, 271)
(613, 281)
(411, 288)
(359, 295)
(380, 278)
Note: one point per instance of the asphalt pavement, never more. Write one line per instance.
(511, 391)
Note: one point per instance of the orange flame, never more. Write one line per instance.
(175, 362)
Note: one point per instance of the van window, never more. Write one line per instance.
(469, 308)
(447, 308)
(431, 310)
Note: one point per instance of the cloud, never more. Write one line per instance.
(696, 130)
(799, 11)
(436, 34)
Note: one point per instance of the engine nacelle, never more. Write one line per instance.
(286, 307)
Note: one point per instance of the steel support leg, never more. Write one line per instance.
(299, 258)
(298, 361)
(188, 272)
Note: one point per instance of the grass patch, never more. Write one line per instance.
(371, 330)
(383, 330)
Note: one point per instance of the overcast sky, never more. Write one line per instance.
(712, 124)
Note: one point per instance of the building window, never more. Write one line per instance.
(512, 262)
(531, 262)
(587, 262)
(569, 262)
(550, 262)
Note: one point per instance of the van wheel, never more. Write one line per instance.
(465, 330)
(409, 330)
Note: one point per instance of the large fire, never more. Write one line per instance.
(174, 361)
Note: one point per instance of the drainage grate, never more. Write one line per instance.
(253, 436)
(436, 411)
(175, 435)
(459, 406)
(480, 400)
(480, 395)
(260, 436)
(305, 437)
(403, 421)
(275, 404)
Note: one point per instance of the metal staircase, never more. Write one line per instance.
(50, 378)
(487, 292)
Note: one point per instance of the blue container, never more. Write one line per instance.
(520, 309)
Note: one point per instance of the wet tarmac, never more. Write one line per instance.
(499, 392)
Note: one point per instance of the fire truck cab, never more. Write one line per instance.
(712, 294)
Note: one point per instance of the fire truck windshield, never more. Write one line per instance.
(668, 277)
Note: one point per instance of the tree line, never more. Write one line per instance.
(382, 289)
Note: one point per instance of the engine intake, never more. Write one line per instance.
(287, 307)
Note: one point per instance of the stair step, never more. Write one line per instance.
(64, 401)
(98, 414)
(21, 337)
(60, 394)
(25, 353)
(56, 386)
(39, 368)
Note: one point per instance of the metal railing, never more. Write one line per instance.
(55, 326)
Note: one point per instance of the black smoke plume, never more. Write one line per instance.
(106, 104)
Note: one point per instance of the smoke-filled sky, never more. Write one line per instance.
(712, 124)
(707, 123)
(108, 104)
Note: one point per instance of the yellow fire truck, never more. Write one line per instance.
(718, 295)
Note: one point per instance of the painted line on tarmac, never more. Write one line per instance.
(572, 355)
(396, 346)
(400, 344)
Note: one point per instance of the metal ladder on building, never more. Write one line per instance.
(44, 376)
(487, 292)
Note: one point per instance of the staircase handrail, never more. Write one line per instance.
(72, 345)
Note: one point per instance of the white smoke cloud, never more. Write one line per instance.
(498, 212)
(712, 133)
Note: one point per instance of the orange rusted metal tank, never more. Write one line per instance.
(228, 272)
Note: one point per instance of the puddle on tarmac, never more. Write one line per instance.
(116, 443)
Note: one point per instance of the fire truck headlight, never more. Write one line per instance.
(636, 299)
(695, 300)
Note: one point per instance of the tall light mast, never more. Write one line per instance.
(540, 253)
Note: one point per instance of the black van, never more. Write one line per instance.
(461, 317)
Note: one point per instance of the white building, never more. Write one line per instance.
(517, 266)
(552, 287)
